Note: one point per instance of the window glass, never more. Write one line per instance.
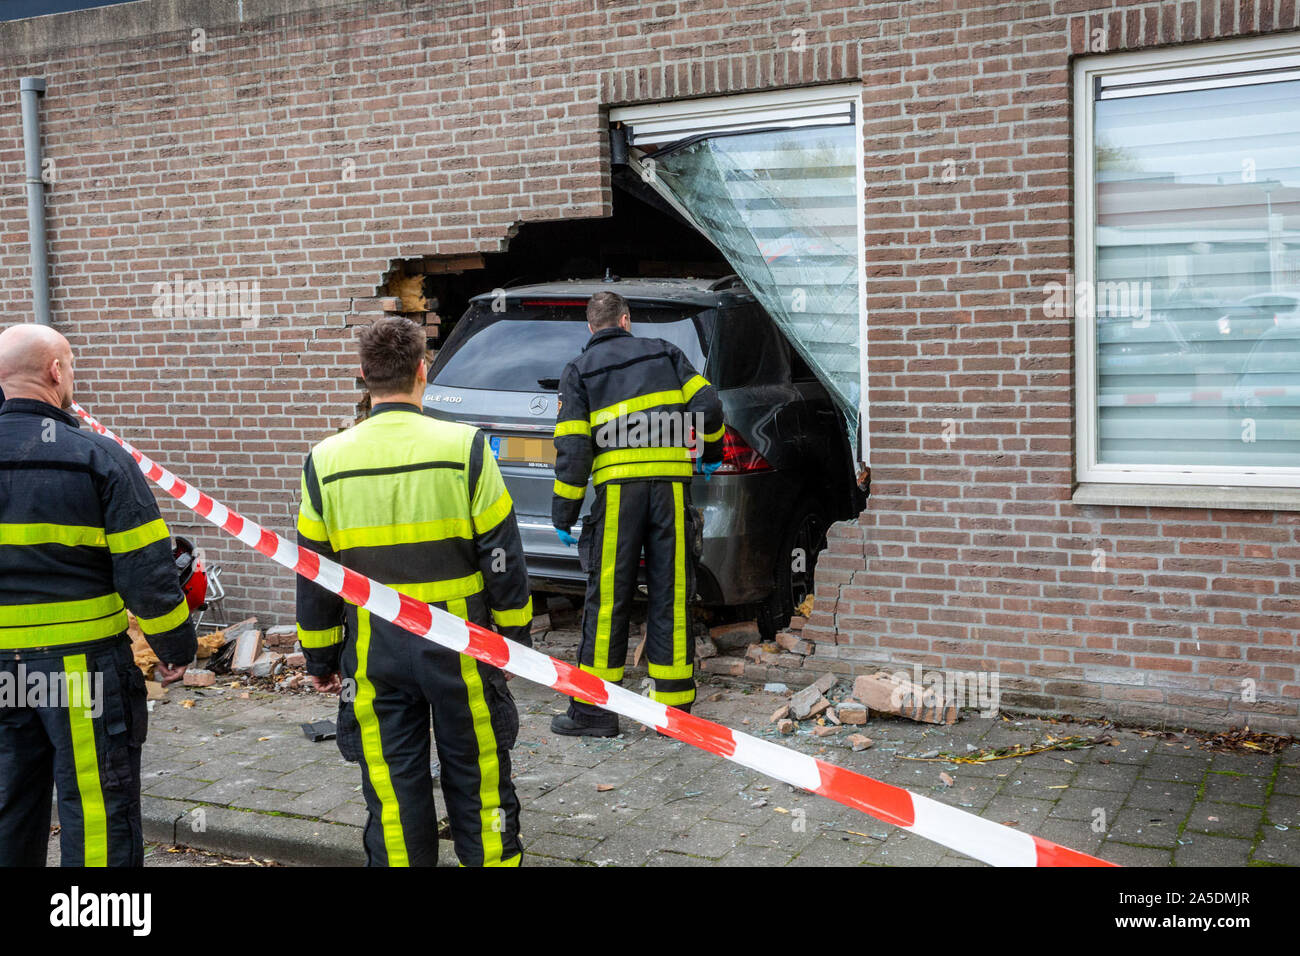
(525, 348)
(1197, 199)
(782, 206)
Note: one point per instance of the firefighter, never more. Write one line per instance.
(631, 411)
(81, 540)
(418, 504)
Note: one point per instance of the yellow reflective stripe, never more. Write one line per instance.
(66, 534)
(59, 612)
(575, 426)
(672, 671)
(491, 820)
(494, 515)
(694, 385)
(565, 490)
(614, 674)
(85, 758)
(53, 635)
(640, 403)
(420, 532)
(431, 592)
(715, 436)
(372, 749)
(309, 527)
(608, 554)
(165, 622)
(673, 698)
(623, 456)
(667, 469)
(120, 542)
(513, 861)
(326, 637)
(514, 618)
(681, 661)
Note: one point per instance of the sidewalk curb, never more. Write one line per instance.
(251, 833)
(293, 840)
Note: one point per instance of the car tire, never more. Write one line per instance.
(807, 532)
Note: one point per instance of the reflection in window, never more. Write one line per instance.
(1197, 197)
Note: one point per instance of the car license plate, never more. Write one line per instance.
(530, 452)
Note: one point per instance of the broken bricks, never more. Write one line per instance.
(851, 712)
(811, 701)
(198, 677)
(859, 742)
(895, 694)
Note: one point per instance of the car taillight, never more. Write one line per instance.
(738, 458)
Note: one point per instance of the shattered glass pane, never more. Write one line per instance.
(781, 205)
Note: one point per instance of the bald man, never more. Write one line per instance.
(81, 540)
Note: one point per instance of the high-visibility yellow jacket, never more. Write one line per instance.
(81, 541)
(417, 504)
(631, 409)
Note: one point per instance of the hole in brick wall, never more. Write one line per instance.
(643, 237)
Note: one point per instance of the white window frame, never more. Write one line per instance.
(665, 122)
(1222, 63)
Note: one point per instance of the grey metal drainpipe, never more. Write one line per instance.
(31, 89)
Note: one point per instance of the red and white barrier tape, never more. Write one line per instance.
(949, 826)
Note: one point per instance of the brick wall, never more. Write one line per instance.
(308, 149)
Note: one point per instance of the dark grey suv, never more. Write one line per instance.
(787, 470)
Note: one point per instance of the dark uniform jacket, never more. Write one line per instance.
(417, 504)
(630, 410)
(81, 541)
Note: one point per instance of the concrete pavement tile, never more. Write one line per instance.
(825, 850)
(351, 813)
(319, 800)
(173, 785)
(226, 790)
(1028, 813)
(1287, 781)
(1278, 846)
(749, 855)
(1130, 750)
(902, 849)
(628, 846)
(1285, 810)
(1178, 769)
(1255, 765)
(709, 838)
(1145, 827)
(672, 858)
(559, 846)
(778, 833)
(1198, 849)
(1229, 820)
(1125, 855)
(1075, 834)
(1234, 788)
(1107, 776)
(1163, 795)
(1078, 803)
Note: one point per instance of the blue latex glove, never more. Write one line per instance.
(708, 469)
(565, 537)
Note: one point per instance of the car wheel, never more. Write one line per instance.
(795, 566)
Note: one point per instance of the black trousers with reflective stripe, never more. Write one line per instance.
(394, 684)
(627, 520)
(89, 747)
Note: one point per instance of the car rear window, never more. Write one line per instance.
(525, 348)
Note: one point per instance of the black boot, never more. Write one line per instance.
(580, 725)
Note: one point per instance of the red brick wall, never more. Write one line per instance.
(231, 163)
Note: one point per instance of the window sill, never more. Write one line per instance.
(1188, 496)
